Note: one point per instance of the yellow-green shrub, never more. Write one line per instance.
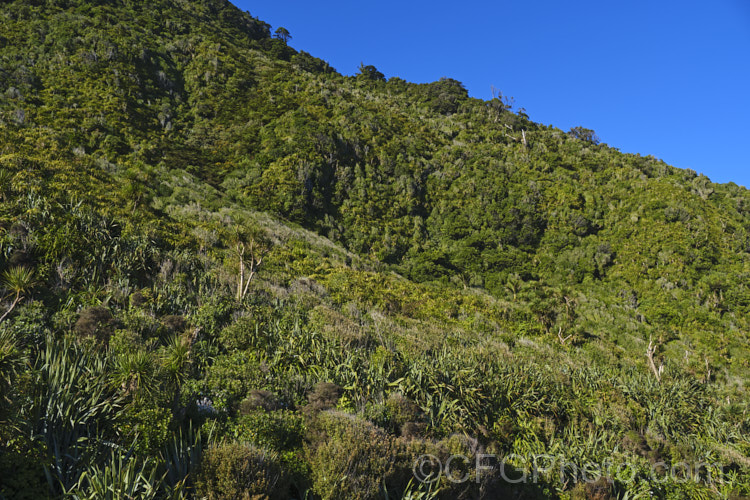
(350, 458)
(235, 471)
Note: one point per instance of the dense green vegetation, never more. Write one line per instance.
(229, 271)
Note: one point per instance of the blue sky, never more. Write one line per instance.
(661, 77)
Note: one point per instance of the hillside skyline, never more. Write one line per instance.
(630, 73)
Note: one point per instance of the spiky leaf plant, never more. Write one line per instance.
(18, 281)
(122, 478)
(70, 409)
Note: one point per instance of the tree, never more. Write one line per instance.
(584, 134)
(560, 336)
(17, 280)
(282, 34)
(370, 72)
(250, 251)
(650, 351)
(445, 95)
(513, 285)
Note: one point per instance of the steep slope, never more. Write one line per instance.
(452, 266)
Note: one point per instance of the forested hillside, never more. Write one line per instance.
(229, 271)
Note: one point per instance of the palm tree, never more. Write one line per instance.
(175, 364)
(134, 374)
(250, 250)
(513, 285)
(17, 280)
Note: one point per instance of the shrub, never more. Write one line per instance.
(137, 299)
(259, 400)
(21, 258)
(403, 411)
(397, 414)
(450, 482)
(236, 471)
(413, 429)
(140, 321)
(212, 315)
(324, 396)
(350, 458)
(459, 445)
(230, 378)
(245, 333)
(277, 430)
(174, 323)
(95, 322)
(21, 476)
(635, 443)
(30, 324)
(148, 425)
(601, 489)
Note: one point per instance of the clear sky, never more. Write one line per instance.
(670, 78)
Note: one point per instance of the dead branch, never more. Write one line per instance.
(650, 351)
(560, 336)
